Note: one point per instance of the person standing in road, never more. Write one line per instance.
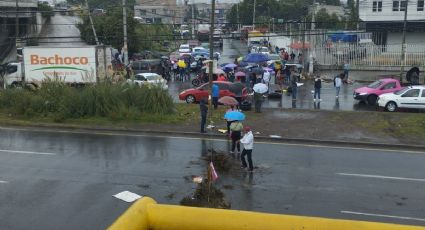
(258, 101)
(294, 84)
(215, 93)
(248, 145)
(337, 84)
(292, 55)
(317, 87)
(204, 111)
(346, 71)
(236, 133)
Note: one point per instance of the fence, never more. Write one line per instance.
(369, 56)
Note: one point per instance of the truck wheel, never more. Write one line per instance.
(196, 82)
(391, 106)
(190, 99)
(371, 100)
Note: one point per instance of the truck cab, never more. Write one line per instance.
(13, 74)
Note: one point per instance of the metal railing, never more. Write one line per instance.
(370, 55)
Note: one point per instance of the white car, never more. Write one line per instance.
(412, 97)
(184, 48)
(273, 58)
(149, 79)
(199, 49)
(264, 50)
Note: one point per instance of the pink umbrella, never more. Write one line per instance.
(240, 74)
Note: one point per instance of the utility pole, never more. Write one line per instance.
(303, 41)
(91, 23)
(237, 16)
(17, 22)
(211, 64)
(358, 14)
(253, 15)
(403, 43)
(193, 20)
(124, 18)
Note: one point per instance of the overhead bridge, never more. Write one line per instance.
(146, 214)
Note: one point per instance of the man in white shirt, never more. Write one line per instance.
(338, 83)
(248, 145)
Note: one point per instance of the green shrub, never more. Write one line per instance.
(60, 101)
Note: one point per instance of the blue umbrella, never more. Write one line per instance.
(256, 58)
(234, 116)
(223, 65)
(230, 66)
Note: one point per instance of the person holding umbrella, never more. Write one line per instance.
(259, 90)
(235, 128)
(215, 93)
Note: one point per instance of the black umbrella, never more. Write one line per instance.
(410, 72)
(257, 70)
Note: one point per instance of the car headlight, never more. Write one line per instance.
(362, 94)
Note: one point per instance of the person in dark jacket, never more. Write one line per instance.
(317, 87)
(294, 85)
(204, 111)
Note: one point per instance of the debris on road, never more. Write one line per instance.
(127, 196)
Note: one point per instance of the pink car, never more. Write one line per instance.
(371, 92)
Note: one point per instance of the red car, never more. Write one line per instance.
(236, 90)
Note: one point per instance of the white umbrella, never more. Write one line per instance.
(215, 71)
(260, 88)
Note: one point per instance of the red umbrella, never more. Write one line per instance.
(299, 45)
(226, 100)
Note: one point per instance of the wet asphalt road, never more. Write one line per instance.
(233, 49)
(61, 180)
(61, 32)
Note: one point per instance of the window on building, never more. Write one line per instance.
(396, 5)
(403, 5)
(399, 5)
(153, 11)
(377, 6)
(420, 5)
(157, 20)
(142, 12)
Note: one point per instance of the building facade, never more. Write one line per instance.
(159, 11)
(384, 18)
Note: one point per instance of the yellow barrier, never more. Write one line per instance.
(146, 214)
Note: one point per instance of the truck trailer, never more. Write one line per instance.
(72, 65)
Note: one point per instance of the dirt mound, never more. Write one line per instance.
(206, 196)
(223, 161)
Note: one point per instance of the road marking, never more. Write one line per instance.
(107, 133)
(381, 215)
(3, 182)
(25, 152)
(381, 177)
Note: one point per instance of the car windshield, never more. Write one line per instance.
(184, 47)
(140, 78)
(401, 91)
(264, 49)
(375, 84)
(153, 77)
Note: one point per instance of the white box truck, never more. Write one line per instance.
(72, 65)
